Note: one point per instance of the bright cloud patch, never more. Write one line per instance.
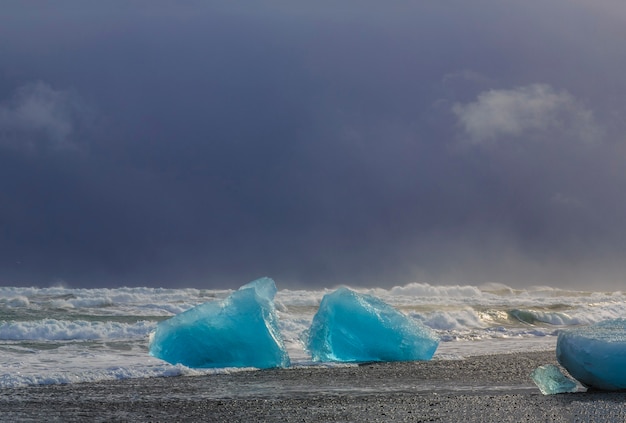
(37, 113)
(510, 113)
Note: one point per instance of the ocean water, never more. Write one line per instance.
(62, 335)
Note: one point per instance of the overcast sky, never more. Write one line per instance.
(149, 143)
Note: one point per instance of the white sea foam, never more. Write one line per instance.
(426, 290)
(96, 368)
(19, 301)
(64, 335)
(64, 330)
(463, 319)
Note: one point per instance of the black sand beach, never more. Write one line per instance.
(493, 388)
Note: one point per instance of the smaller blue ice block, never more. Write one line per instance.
(595, 355)
(550, 380)
(239, 331)
(353, 327)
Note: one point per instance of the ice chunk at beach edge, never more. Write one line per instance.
(550, 380)
(595, 355)
(353, 327)
(239, 331)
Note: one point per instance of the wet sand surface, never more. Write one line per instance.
(494, 388)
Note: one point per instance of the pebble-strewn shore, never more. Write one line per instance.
(494, 388)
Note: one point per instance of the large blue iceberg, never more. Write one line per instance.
(239, 331)
(595, 355)
(550, 380)
(353, 327)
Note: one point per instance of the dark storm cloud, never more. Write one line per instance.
(466, 142)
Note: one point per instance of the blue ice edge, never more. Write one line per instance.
(242, 331)
(239, 331)
(595, 355)
(353, 327)
(550, 380)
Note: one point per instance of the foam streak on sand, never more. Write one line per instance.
(494, 388)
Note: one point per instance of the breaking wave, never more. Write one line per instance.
(64, 330)
(63, 335)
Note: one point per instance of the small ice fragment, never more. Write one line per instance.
(595, 355)
(551, 380)
(239, 331)
(353, 327)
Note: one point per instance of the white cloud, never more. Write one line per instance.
(38, 114)
(536, 108)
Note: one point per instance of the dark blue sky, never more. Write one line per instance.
(369, 144)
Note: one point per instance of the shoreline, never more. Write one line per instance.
(488, 388)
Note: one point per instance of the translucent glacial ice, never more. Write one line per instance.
(353, 327)
(595, 355)
(239, 331)
(551, 380)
